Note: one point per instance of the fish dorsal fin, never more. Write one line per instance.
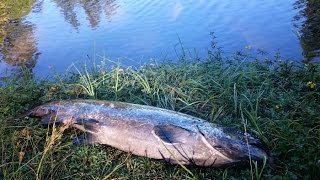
(171, 134)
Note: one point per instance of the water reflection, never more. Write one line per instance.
(67, 8)
(18, 45)
(177, 9)
(92, 8)
(65, 31)
(308, 23)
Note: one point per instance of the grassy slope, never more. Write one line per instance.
(273, 99)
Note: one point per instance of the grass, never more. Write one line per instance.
(277, 101)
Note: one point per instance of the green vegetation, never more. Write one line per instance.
(275, 100)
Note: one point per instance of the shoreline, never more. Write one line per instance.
(278, 101)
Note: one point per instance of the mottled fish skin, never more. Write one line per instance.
(153, 132)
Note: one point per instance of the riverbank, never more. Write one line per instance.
(277, 101)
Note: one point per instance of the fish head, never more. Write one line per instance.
(42, 111)
(237, 146)
(243, 147)
(49, 113)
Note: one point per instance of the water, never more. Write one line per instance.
(57, 33)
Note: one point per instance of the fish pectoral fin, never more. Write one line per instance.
(51, 118)
(86, 121)
(90, 128)
(92, 121)
(171, 134)
(45, 120)
(89, 125)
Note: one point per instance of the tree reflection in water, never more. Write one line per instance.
(308, 23)
(92, 8)
(67, 8)
(17, 42)
(20, 46)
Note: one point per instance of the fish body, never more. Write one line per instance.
(153, 132)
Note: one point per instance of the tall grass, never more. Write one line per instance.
(272, 99)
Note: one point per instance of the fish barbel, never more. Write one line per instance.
(153, 132)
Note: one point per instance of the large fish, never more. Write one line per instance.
(153, 132)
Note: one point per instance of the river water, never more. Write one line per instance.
(57, 33)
